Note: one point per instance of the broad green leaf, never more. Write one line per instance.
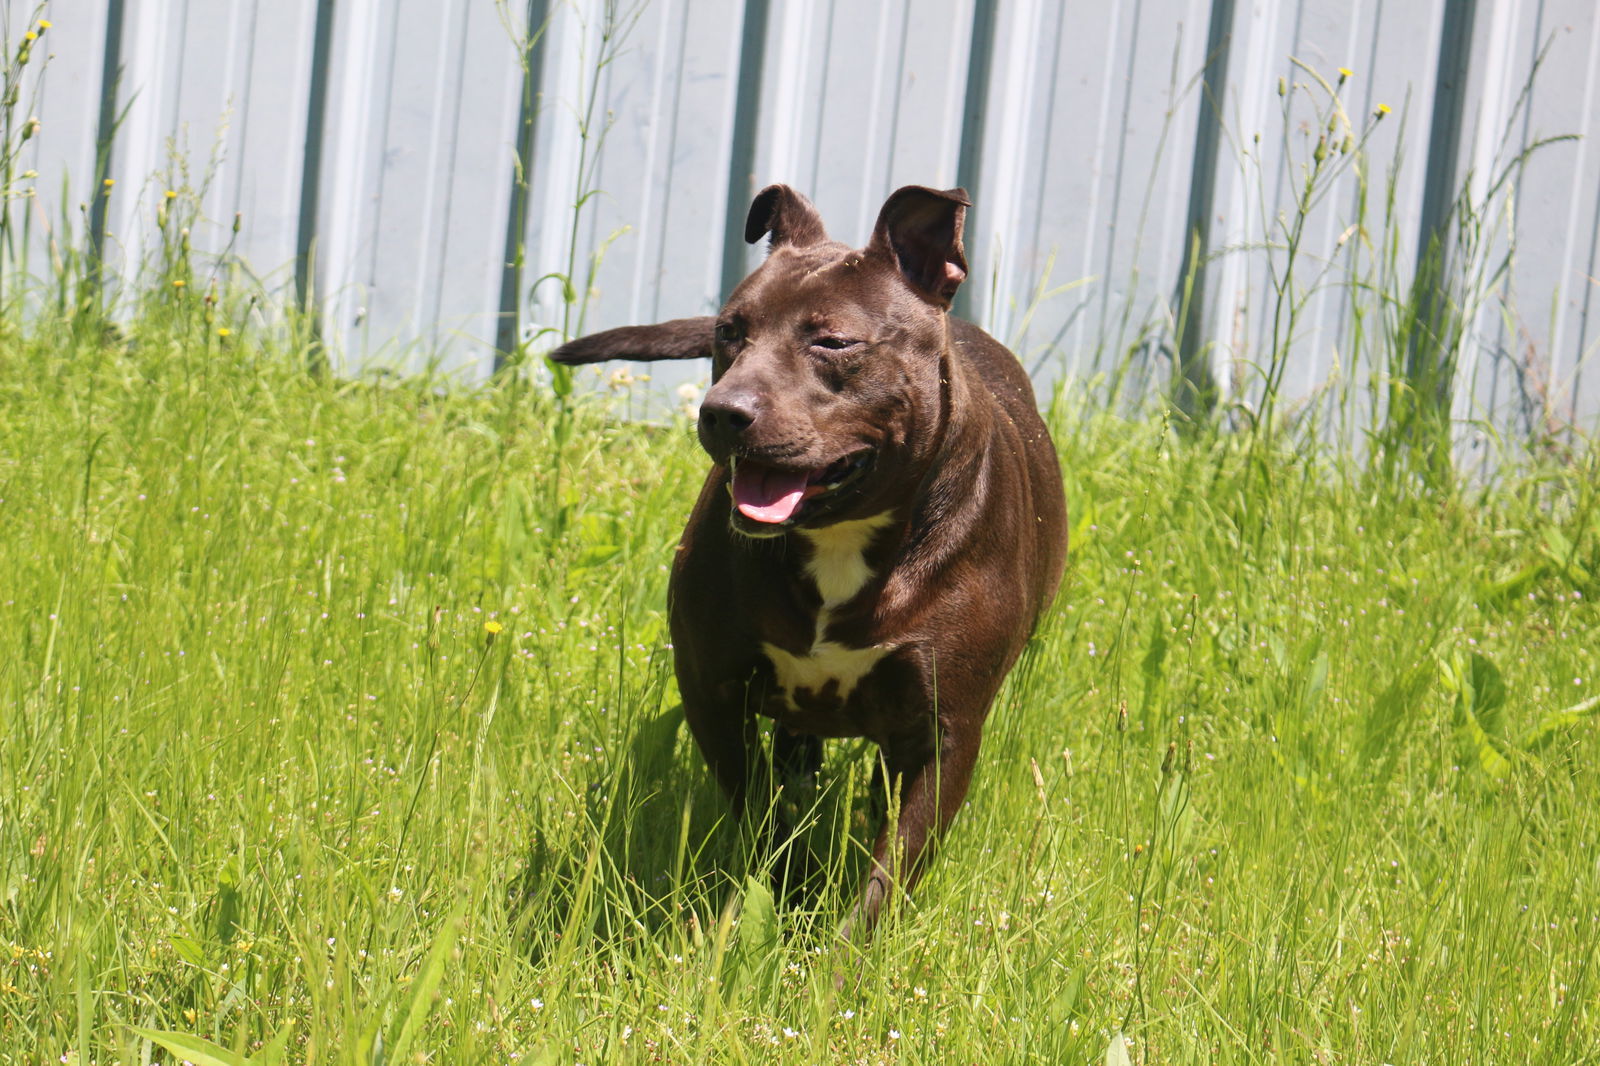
(228, 902)
(1317, 687)
(756, 948)
(1560, 551)
(1117, 1051)
(195, 1049)
(596, 554)
(1480, 696)
(1479, 745)
(189, 949)
(1488, 695)
(420, 1002)
(1555, 721)
(1394, 709)
(1508, 584)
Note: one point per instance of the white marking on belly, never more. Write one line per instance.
(826, 662)
(839, 569)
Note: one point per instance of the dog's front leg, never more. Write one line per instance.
(726, 734)
(927, 778)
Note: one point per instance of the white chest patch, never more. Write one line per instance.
(839, 569)
(838, 562)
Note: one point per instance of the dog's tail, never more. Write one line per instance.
(681, 338)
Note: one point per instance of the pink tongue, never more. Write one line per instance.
(766, 494)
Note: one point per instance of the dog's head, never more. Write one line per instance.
(829, 364)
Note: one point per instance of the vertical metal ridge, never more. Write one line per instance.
(508, 325)
(741, 161)
(311, 167)
(974, 115)
(1587, 314)
(1440, 183)
(1193, 380)
(448, 103)
(105, 138)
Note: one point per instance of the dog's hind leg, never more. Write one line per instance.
(795, 756)
(796, 759)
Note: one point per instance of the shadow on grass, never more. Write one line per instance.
(658, 854)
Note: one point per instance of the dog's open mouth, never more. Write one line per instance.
(774, 495)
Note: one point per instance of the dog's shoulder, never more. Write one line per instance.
(996, 367)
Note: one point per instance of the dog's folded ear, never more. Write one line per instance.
(920, 229)
(788, 216)
(681, 338)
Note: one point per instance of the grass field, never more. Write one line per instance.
(339, 728)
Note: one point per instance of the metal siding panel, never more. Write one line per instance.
(237, 111)
(422, 119)
(694, 164)
(1529, 369)
(403, 210)
(214, 96)
(353, 185)
(661, 169)
(1106, 190)
(995, 225)
(849, 150)
(63, 85)
(152, 40)
(1392, 50)
(1484, 387)
(1086, 158)
(817, 136)
(478, 146)
(261, 177)
(637, 173)
(571, 37)
(1581, 336)
(926, 120)
(861, 101)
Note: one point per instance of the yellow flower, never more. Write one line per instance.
(1345, 72)
(30, 36)
(1383, 109)
(45, 24)
(109, 182)
(224, 332)
(492, 627)
(169, 194)
(178, 283)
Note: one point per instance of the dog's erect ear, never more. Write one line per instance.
(921, 230)
(788, 216)
(682, 338)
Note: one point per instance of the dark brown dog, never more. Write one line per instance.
(883, 522)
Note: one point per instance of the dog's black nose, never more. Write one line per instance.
(725, 415)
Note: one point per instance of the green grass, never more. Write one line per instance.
(265, 773)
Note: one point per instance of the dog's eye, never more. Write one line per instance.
(730, 332)
(833, 344)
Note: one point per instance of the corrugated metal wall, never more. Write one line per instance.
(371, 147)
